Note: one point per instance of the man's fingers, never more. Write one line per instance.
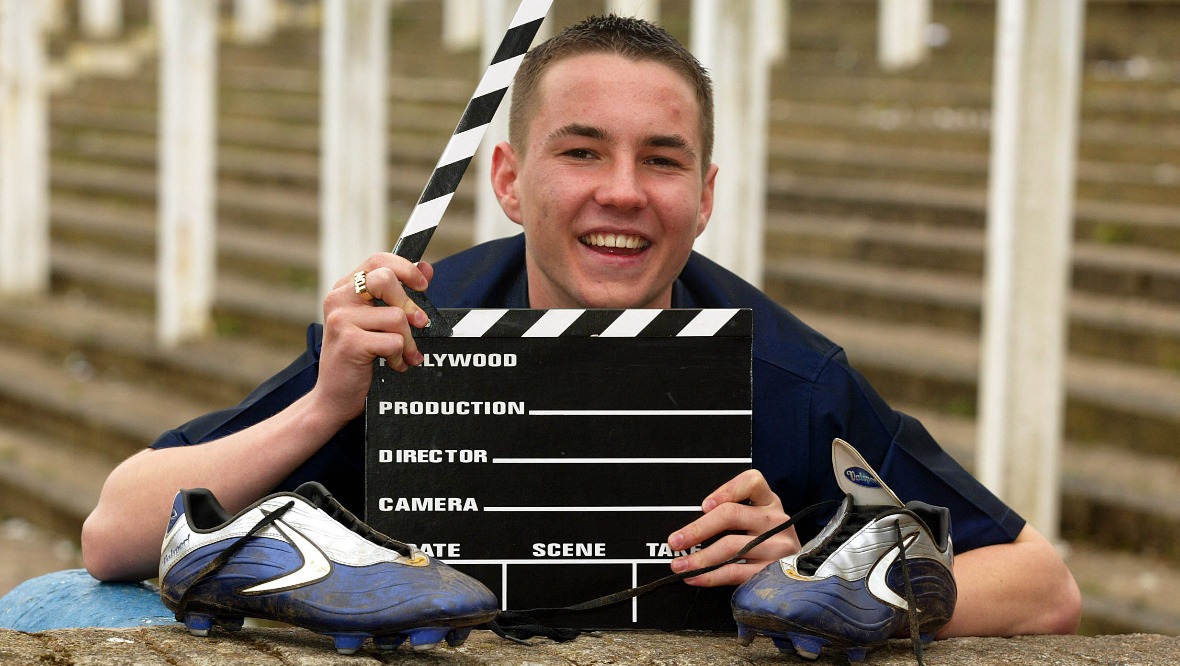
(387, 335)
(730, 574)
(427, 271)
(730, 545)
(384, 284)
(749, 486)
(379, 332)
(416, 276)
(728, 517)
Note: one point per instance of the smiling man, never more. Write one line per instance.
(609, 180)
(608, 171)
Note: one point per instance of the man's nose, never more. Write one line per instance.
(621, 187)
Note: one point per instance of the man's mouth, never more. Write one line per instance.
(615, 243)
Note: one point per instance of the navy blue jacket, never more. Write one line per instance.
(805, 394)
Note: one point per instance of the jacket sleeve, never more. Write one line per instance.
(837, 401)
(271, 397)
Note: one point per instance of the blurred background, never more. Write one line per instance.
(874, 209)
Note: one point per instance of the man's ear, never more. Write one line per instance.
(706, 209)
(504, 175)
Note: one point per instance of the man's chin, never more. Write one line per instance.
(623, 298)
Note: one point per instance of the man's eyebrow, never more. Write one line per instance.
(674, 141)
(577, 129)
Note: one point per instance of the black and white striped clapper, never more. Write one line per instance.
(473, 124)
(550, 453)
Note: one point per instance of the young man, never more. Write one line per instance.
(608, 171)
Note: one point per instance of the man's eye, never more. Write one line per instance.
(579, 154)
(663, 162)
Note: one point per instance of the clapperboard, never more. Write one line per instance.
(550, 453)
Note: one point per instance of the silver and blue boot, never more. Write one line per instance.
(879, 569)
(301, 558)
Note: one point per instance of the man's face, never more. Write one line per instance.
(609, 189)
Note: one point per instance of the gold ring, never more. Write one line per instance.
(358, 283)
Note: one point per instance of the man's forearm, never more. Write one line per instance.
(1011, 589)
(121, 537)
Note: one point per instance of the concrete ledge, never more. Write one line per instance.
(295, 647)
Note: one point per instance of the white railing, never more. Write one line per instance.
(186, 236)
(739, 41)
(24, 150)
(255, 21)
(1030, 195)
(100, 18)
(352, 136)
(1029, 236)
(901, 33)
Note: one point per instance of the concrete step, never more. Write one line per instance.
(902, 123)
(88, 339)
(954, 250)
(48, 482)
(250, 190)
(258, 162)
(289, 132)
(1113, 30)
(243, 305)
(102, 413)
(799, 83)
(103, 180)
(1134, 272)
(1100, 269)
(288, 249)
(1129, 224)
(1102, 98)
(279, 76)
(874, 293)
(912, 203)
(1133, 408)
(94, 387)
(266, 206)
(1123, 327)
(954, 139)
(252, 149)
(132, 229)
(952, 64)
(268, 282)
(1125, 593)
(1139, 182)
(1110, 328)
(1111, 498)
(1120, 529)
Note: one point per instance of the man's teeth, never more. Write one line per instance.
(615, 240)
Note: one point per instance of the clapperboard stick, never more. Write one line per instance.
(472, 126)
(440, 189)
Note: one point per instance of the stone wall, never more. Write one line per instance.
(173, 646)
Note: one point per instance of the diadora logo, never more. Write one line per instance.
(861, 477)
(316, 565)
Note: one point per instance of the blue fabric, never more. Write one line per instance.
(805, 394)
(71, 598)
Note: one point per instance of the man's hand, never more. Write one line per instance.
(356, 332)
(743, 504)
